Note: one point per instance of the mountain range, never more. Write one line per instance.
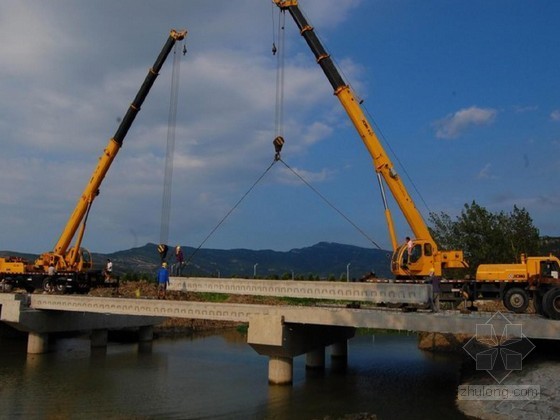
(322, 260)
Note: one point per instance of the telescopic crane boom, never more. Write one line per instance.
(64, 257)
(425, 254)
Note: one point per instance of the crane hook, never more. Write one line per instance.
(274, 50)
(278, 143)
(184, 49)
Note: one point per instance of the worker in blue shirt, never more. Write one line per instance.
(162, 280)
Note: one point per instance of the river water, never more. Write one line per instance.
(219, 376)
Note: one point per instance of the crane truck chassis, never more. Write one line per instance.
(515, 285)
(70, 268)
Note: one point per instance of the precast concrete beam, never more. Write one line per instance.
(17, 314)
(363, 292)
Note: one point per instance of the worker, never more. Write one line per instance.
(179, 260)
(162, 281)
(436, 290)
(108, 270)
(51, 271)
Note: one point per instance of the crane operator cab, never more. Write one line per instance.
(412, 259)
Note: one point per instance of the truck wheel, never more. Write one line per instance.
(61, 286)
(48, 285)
(538, 304)
(551, 303)
(516, 300)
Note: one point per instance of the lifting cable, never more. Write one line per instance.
(331, 205)
(230, 211)
(278, 142)
(279, 108)
(170, 151)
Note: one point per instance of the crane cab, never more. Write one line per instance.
(416, 262)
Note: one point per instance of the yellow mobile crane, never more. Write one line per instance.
(70, 267)
(423, 255)
(514, 284)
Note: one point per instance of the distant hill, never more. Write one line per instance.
(323, 260)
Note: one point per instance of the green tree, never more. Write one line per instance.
(487, 237)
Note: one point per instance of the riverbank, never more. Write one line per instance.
(542, 376)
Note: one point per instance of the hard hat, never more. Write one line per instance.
(164, 264)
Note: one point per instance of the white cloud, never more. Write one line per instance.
(456, 124)
(555, 115)
(486, 172)
(288, 176)
(70, 84)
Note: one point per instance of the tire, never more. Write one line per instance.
(538, 304)
(49, 285)
(551, 303)
(60, 286)
(516, 300)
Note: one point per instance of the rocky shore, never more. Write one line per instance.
(540, 401)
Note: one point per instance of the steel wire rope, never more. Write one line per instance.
(170, 150)
(189, 259)
(279, 106)
(360, 230)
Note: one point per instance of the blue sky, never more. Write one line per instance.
(465, 93)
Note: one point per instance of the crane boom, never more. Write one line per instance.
(62, 256)
(425, 255)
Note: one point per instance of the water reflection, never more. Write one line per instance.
(220, 376)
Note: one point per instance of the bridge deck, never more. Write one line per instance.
(446, 322)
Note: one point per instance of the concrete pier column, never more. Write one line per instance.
(146, 333)
(37, 343)
(315, 359)
(340, 350)
(339, 356)
(99, 338)
(280, 370)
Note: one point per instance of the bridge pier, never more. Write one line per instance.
(315, 359)
(270, 336)
(99, 338)
(37, 343)
(146, 333)
(280, 370)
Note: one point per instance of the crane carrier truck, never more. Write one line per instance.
(70, 268)
(515, 285)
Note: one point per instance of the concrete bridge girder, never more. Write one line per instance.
(15, 312)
